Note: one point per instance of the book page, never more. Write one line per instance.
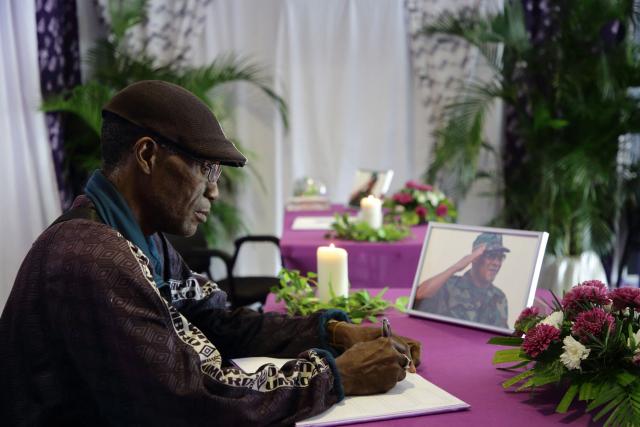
(412, 396)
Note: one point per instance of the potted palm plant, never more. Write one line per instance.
(113, 68)
(564, 81)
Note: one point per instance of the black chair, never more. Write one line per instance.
(241, 290)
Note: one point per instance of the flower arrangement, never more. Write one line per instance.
(590, 342)
(418, 203)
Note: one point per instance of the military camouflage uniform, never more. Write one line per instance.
(461, 299)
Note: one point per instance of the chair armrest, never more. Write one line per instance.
(257, 238)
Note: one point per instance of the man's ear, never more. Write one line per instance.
(145, 152)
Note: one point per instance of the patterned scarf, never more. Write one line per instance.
(114, 211)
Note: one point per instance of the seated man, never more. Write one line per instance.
(472, 296)
(106, 325)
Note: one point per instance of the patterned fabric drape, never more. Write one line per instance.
(171, 29)
(59, 61)
(442, 63)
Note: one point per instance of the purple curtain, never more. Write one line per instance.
(59, 60)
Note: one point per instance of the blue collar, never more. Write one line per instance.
(114, 211)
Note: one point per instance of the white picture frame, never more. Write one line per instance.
(500, 276)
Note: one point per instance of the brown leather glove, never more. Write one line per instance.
(371, 367)
(344, 335)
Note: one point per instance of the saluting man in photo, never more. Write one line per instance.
(472, 296)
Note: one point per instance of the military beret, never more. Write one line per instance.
(492, 242)
(179, 116)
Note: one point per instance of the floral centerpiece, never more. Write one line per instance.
(418, 203)
(589, 343)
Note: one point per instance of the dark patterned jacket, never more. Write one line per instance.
(86, 338)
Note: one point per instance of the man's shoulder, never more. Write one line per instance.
(79, 240)
(453, 280)
(78, 229)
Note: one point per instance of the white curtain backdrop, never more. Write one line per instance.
(27, 180)
(343, 67)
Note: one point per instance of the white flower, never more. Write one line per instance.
(554, 319)
(636, 337)
(433, 198)
(574, 353)
(608, 307)
(421, 198)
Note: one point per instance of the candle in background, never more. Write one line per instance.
(332, 271)
(371, 211)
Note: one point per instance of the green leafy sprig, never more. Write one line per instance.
(298, 293)
(345, 229)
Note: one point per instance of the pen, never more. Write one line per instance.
(386, 332)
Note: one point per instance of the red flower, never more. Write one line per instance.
(625, 297)
(528, 313)
(442, 209)
(539, 338)
(403, 198)
(589, 292)
(592, 322)
(417, 186)
(421, 211)
(529, 317)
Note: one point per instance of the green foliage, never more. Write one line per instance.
(568, 95)
(112, 68)
(297, 292)
(345, 229)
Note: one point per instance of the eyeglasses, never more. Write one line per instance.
(494, 256)
(210, 170)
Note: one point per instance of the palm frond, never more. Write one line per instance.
(85, 101)
(124, 14)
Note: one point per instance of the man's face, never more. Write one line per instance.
(487, 266)
(181, 196)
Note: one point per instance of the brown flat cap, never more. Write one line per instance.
(177, 115)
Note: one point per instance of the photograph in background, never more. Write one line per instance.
(370, 183)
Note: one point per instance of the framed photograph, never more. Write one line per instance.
(477, 276)
(370, 182)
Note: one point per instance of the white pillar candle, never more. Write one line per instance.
(332, 272)
(371, 211)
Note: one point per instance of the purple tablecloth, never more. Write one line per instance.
(458, 359)
(372, 265)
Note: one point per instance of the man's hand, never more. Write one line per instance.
(344, 335)
(371, 367)
(468, 259)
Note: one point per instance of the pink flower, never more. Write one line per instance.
(539, 338)
(589, 292)
(625, 297)
(442, 209)
(592, 322)
(417, 186)
(402, 198)
(528, 318)
(527, 313)
(421, 211)
(595, 283)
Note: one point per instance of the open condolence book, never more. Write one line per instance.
(413, 396)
